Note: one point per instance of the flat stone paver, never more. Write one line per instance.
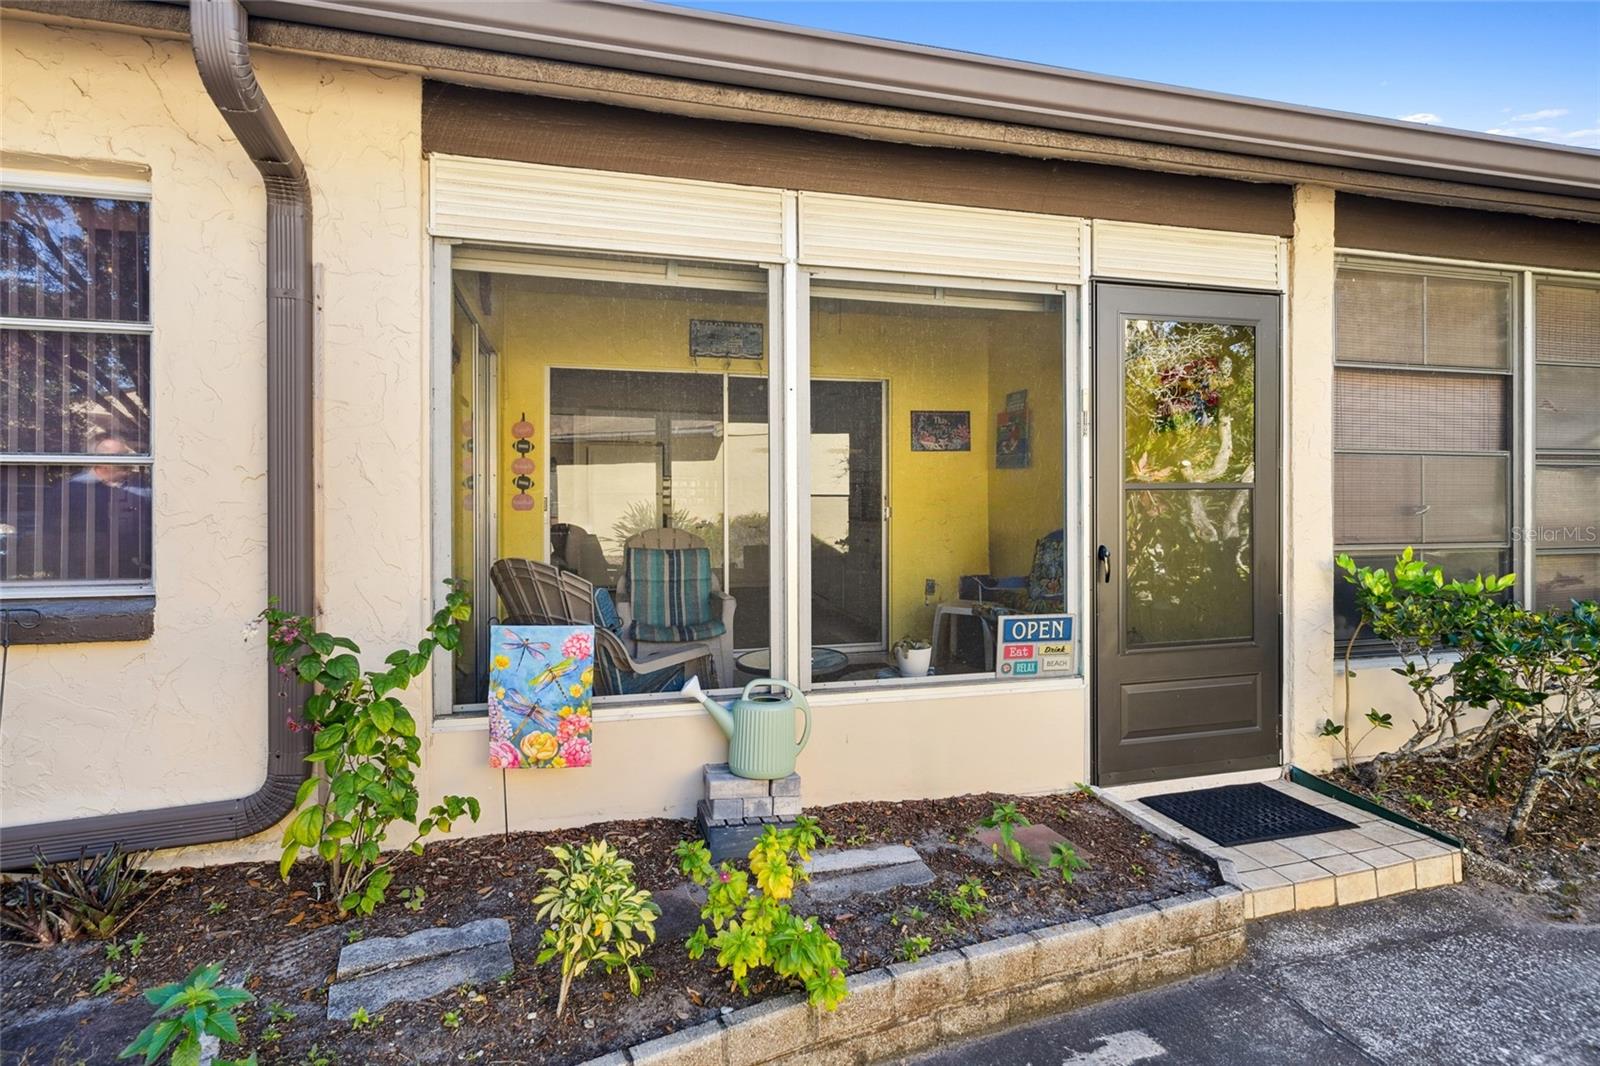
(1467, 975)
(374, 973)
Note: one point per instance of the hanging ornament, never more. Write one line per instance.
(522, 466)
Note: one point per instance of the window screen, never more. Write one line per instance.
(75, 453)
(1566, 527)
(1422, 420)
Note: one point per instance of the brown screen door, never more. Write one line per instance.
(1186, 522)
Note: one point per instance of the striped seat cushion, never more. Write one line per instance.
(670, 589)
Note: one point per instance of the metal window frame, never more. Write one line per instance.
(1522, 551)
(98, 188)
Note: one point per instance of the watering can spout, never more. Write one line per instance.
(718, 712)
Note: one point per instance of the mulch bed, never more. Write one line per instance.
(1561, 856)
(283, 944)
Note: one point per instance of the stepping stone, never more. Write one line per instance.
(1036, 840)
(374, 973)
(680, 912)
(831, 887)
(829, 861)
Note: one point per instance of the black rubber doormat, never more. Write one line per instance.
(1244, 814)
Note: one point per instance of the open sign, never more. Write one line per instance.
(1035, 645)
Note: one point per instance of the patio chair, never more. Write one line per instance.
(537, 593)
(985, 598)
(669, 595)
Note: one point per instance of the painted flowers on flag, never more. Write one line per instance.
(541, 689)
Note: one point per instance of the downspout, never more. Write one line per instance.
(222, 53)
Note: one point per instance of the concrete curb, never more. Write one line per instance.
(907, 1007)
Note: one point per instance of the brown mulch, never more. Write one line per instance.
(1561, 856)
(283, 944)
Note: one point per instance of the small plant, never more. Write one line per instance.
(27, 909)
(1137, 870)
(277, 1016)
(596, 915)
(136, 946)
(317, 1057)
(360, 1019)
(1006, 818)
(114, 951)
(913, 948)
(1083, 789)
(966, 902)
(451, 1020)
(910, 643)
(216, 907)
(367, 744)
(94, 892)
(413, 898)
(106, 982)
(353, 934)
(907, 916)
(186, 1011)
(1419, 801)
(753, 926)
(1065, 861)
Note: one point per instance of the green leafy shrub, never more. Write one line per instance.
(1532, 674)
(34, 914)
(366, 744)
(95, 892)
(596, 915)
(187, 1010)
(751, 927)
(913, 948)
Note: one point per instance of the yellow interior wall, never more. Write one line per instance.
(1026, 503)
(938, 501)
(951, 513)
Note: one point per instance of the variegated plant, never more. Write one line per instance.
(596, 915)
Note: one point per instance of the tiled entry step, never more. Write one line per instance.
(1377, 858)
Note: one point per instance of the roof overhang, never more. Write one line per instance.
(721, 49)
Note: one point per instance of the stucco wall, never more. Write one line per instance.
(179, 718)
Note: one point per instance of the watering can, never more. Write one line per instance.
(760, 729)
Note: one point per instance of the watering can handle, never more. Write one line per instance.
(799, 698)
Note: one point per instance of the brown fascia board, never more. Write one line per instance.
(746, 52)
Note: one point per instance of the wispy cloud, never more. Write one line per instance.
(1422, 116)
(1541, 115)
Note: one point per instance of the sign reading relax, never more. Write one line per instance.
(1035, 644)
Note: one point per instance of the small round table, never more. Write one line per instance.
(826, 663)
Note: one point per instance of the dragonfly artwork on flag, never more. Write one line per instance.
(541, 689)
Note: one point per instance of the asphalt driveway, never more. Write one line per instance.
(1460, 976)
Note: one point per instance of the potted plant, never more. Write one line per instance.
(913, 657)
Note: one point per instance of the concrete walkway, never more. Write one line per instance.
(1460, 976)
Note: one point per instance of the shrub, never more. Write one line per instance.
(596, 915)
(1065, 861)
(366, 744)
(754, 928)
(91, 895)
(198, 1007)
(1534, 674)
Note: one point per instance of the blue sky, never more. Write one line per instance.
(1520, 69)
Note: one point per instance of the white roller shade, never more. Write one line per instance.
(861, 233)
(564, 207)
(1139, 252)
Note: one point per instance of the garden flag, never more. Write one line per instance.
(541, 686)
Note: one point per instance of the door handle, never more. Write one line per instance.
(1103, 556)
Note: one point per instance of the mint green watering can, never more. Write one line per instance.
(760, 729)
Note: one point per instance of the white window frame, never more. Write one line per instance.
(94, 188)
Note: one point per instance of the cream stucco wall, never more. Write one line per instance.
(180, 718)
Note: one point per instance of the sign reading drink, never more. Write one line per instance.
(1035, 644)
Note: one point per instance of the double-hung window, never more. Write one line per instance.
(1424, 395)
(75, 447)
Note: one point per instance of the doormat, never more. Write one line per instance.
(1244, 814)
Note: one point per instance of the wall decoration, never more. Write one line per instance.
(941, 431)
(541, 687)
(713, 339)
(522, 466)
(1012, 446)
